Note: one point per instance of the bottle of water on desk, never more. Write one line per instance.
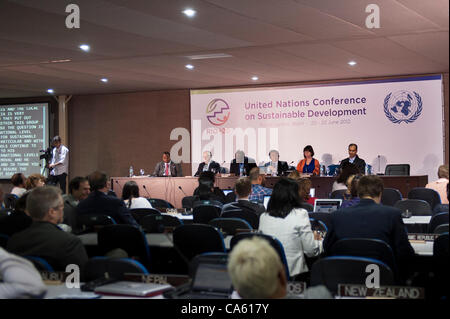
(131, 171)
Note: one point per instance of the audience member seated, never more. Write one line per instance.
(99, 203)
(442, 207)
(440, 185)
(79, 190)
(2, 204)
(44, 238)
(276, 167)
(257, 272)
(208, 165)
(241, 165)
(295, 175)
(18, 219)
(19, 278)
(130, 195)
(243, 188)
(347, 170)
(354, 159)
(18, 180)
(35, 180)
(304, 188)
(206, 189)
(351, 198)
(308, 165)
(370, 219)
(258, 191)
(289, 223)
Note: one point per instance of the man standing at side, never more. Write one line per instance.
(258, 191)
(166, 167)
(79, 189)
(354, 159)
(59, 165)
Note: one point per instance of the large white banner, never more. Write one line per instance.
(395, 121)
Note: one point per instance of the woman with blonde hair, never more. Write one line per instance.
(34, 180)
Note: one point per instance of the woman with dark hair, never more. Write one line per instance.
(289, 223)
(348, 169)
(206, 189)
(304, 188)
(308, 165)
(130, 195)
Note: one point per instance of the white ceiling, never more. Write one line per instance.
(143, 44)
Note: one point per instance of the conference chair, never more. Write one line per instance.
(191, 240)
(40, 263)
(390, 196)
(247, 215)
(332, 170)
(335, 270)
(318, 225)
(101, 267)
(415, 207)
(427, 194)
(216, 258)
(436, 220)
(3, 240)
(206, 210)
(441, 229)
(228, 226)
(441, 265)
(126, 237)
(230, 197)
(160, 203)
(323, 217)
(338, 194)
(364, 247)
(10, 201)
(397, 170)
(158, 223)
(188, 202)
(139, 213)
(273, 241)
(90, 223)
(439, 208)
(307, 206)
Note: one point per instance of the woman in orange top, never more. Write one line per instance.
(308, 165)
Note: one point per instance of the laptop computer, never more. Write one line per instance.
(227, 191)
(129, 288)
(326, 205)
(266, 200)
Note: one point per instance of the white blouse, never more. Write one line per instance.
(139, 202)
(295, 233)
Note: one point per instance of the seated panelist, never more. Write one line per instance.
(166, 167)
(208, 165)
(240, 165)
(308, 165)
(275, 166)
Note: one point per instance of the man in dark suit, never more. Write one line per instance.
(241, 164)
(354, 159)
(369, 219)
(275, 166)
(208, 165)
(99, 203)
(166, 167)
(44, 238)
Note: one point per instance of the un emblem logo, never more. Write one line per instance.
(402, 106)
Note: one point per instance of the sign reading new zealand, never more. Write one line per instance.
(402, 106)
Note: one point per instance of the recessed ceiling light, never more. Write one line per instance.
(255, 78)
(189, 66)
(85, 47)
(51, 91)
(190, 12)
(352, 63)
(104, 80)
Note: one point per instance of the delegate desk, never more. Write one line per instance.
(168, 188)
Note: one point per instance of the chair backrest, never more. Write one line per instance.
(203, 214)
(249, 216)
(230, 197)
(139, 213)
(338, 194)
(274, 242)
(40, 263)
(219, 258)
(10, 201)
(307, 206)
(441, 247)
(160, 203)
(427, 194)
(397, 169)
(98, 267)
(436, 220)
(208, 202)
(441, 229)
(188, 202)
(157, 223)
(364, 247)
(416, 207)
(323, 217)
(228, 226)
(191, 240)
(126, 237)
(88, 222)
(335, 270)
(332, 170)
(4, 240)
(390, 196)
(318, 225)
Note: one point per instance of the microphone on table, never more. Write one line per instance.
(181, 189)
(148, 194)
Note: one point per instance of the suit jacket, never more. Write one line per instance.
(98, 203)
(213, 167)
(282, 167)
(358, 162)
(245, 205)
(46, 240)
(370, 220)
(234, 167)
(161, 167)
